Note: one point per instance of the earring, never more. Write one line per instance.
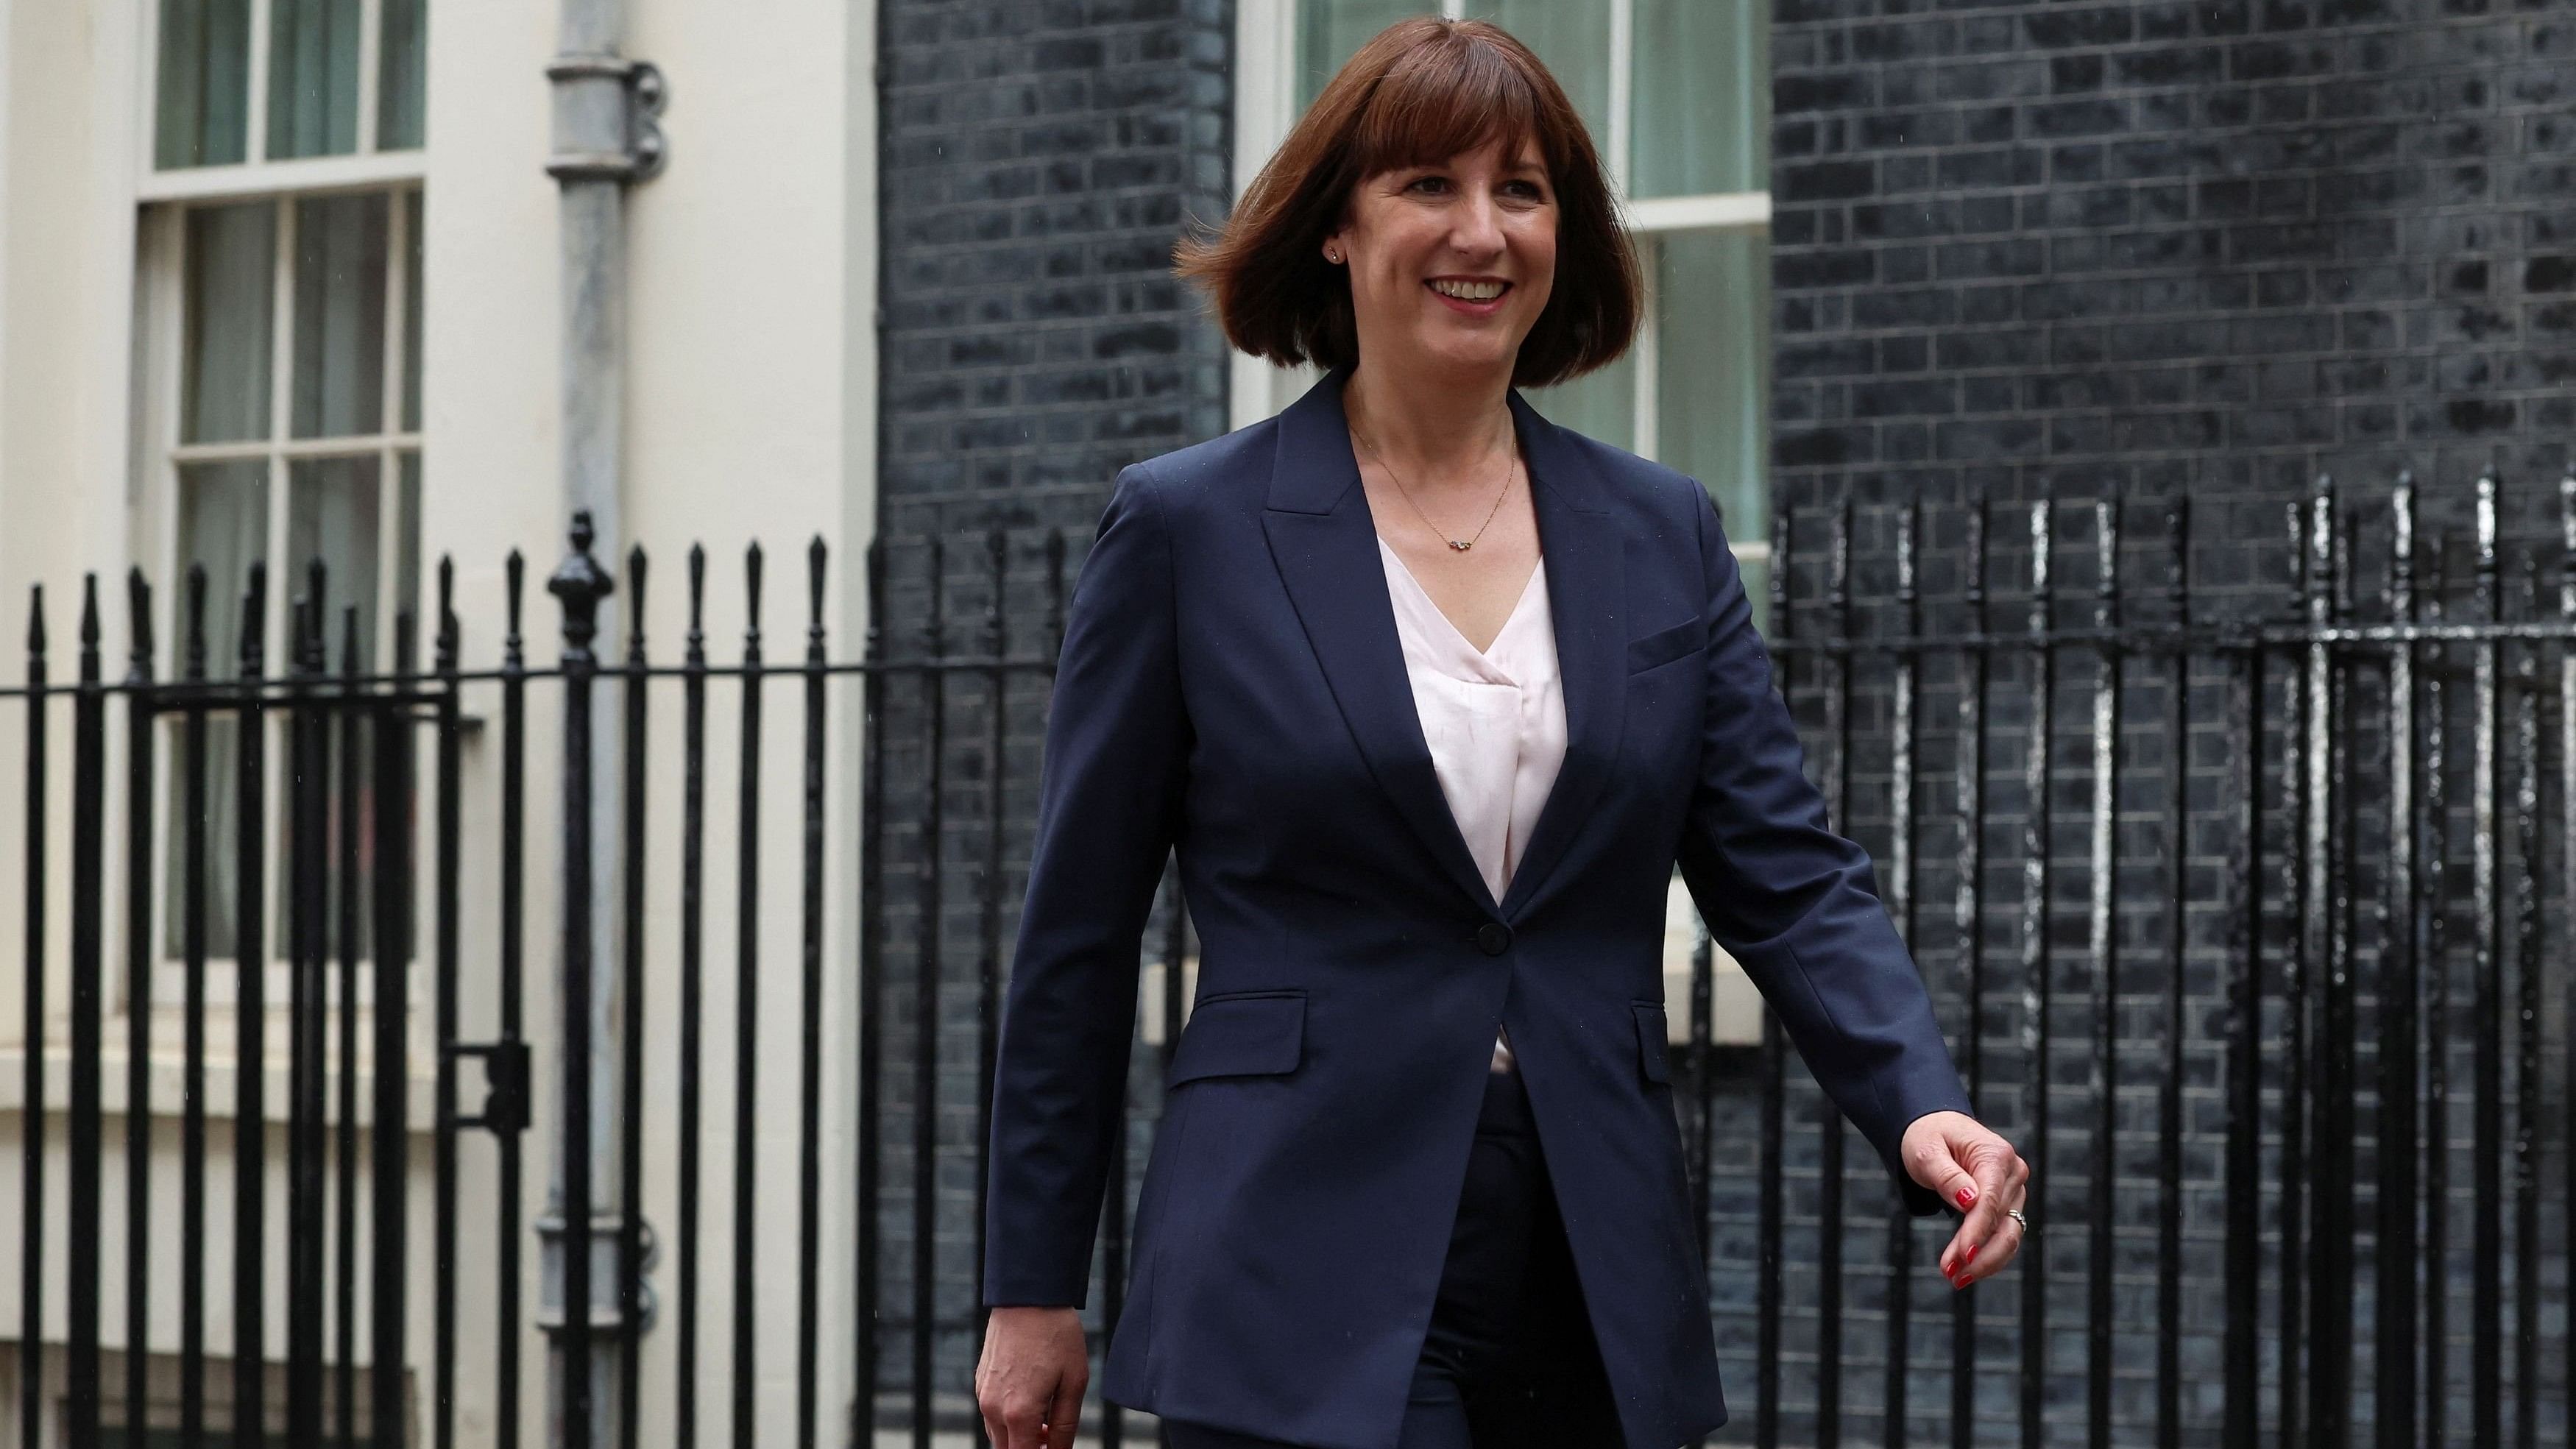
(1333, 256)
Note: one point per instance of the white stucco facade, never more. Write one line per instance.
(749, 414)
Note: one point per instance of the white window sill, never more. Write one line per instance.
(223, 1086)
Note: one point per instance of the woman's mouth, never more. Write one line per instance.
(1483, 299)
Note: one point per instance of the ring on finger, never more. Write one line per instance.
(2015, 1215)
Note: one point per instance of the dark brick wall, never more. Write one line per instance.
(2216, 247)
(1038, 159)
(2147, 251)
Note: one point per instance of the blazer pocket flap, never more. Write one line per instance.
(1665, 645)
(1652, 1055)
(1241, 1036)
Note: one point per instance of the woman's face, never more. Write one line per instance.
(1418, 237)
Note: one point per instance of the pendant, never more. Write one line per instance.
(1462, 547)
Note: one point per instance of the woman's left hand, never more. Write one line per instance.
(1964, 1160)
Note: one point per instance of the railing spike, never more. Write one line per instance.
(635, 570)
(138, 600)
(196, 665)
(580, 583)
(514, 573)
(816, 556)
(697, 591)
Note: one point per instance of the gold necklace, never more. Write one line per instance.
(1460, 544)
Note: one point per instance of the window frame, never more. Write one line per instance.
(365, 167)
(164, 199)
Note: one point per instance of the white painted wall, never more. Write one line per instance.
(750, 412)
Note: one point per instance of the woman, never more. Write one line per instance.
(1430, 695)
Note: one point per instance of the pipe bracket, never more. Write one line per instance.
(608, 118)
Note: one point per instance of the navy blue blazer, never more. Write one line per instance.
(1231, 685)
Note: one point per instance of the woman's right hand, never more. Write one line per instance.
(1030, 1382)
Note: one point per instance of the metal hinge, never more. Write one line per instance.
(597, 140)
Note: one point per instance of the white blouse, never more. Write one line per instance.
(1495, 720)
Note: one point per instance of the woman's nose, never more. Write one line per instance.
(1479, 230)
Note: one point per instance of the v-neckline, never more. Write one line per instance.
(1520, 605)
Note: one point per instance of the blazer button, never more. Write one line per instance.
(1493, 938)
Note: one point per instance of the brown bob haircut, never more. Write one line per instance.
(1419, 93)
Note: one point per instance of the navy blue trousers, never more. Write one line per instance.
(1509, 1361)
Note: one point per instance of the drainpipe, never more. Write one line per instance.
(605, 139)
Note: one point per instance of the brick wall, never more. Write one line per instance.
(2145, 251)
(1037, 162)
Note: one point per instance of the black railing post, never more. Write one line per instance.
(390, 900)
(1902, 901)
(2488, 905)
(809, 1106)
(443, 1209)
(746, 1062)
(579, 584)
(2037, 839)
(89, 890)
(191, 912)
(250, 1015)
(31, 1173)
(631, 1240)
(140, 702)
(693, 838)
(2567, 880)
(2102, 968)
(1829, 1118)
(868, 1282)
(509, 1118)
(1968, 919)
(1771, 1212)
(2395, 1267)
(351, 800)
(307, 861)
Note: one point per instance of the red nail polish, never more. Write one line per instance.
(1966, 1196)
(1972, 1254)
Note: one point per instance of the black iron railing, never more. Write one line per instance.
(2205, 858)
(2244, 921)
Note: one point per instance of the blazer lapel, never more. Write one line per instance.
(1586, 593)
(1325, 544)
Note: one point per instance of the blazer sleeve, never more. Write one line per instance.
(1109, 797)
(1795, 902)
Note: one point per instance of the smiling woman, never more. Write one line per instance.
(1431, 696)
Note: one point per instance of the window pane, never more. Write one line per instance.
(340, 315)
(1601, 404)
(1329, 31)
(402, 77)
(406, 595)
(223, 528)
(411, 312)
(312, 78)
(230, 281)
(331, 515)
(202, 110)
(1701, 116)
(1572, 38)
(1713, 339)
